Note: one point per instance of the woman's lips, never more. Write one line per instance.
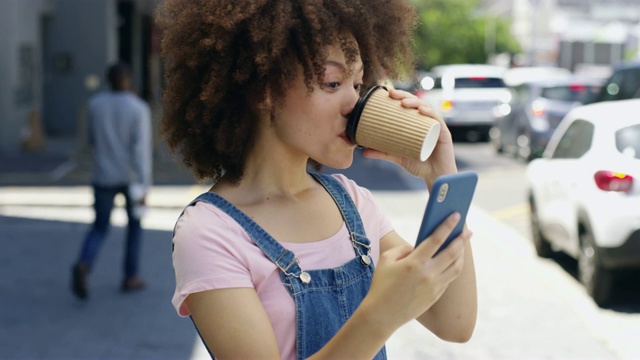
(346, 138)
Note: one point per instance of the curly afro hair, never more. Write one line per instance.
(224, 56)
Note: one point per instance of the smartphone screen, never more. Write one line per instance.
(450, 193)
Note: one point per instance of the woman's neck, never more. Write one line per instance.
(268, 175)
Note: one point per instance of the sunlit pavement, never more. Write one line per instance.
(528, 308)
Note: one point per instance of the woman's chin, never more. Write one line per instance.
(343, 163)
(338, 164)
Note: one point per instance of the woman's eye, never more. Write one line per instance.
(332, 85)
(358, 87)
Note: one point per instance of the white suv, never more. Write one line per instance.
(469, 97)
(585, 193)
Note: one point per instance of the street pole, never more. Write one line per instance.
(532, 50)
(490, 38)
(491, 16)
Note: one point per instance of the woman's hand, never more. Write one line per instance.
(442, 159)
(407, 281)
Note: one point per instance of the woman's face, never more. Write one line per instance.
(314, 124)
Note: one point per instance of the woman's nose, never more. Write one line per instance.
(351, 101)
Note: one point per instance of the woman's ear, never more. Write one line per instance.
(266, 103)
(266, 107)
(261, 98)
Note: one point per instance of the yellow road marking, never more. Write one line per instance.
(511, 212)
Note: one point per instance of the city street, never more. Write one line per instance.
(205, 77)
(529, 308)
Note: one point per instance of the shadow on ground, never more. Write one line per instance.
(42, 320)
(626, 295)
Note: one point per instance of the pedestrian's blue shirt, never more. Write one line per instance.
(120, 133)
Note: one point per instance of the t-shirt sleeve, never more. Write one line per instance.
(207, 254)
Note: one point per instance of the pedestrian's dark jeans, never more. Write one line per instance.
(103, 204)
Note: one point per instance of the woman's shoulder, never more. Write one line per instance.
(201, 212)
(206, 222)
(357, 192)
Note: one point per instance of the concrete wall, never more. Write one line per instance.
(20, 68)
(80, 39)
(7, 123)
(54, 54)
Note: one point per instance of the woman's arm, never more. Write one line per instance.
(233, 324)
(407, 282)
(453, 316)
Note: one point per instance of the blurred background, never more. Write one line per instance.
(54, 52)
(540, 60)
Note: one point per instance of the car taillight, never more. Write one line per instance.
(577, 88)
(537, 107)
(613, 181)
(447, 105)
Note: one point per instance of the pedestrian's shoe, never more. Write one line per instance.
(79, 284)
(132, 284)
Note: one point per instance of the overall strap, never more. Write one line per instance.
(349, 213)
(281, 257)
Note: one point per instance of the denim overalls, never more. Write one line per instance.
(324, 298)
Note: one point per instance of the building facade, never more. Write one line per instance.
(570, 33)
(54, 56)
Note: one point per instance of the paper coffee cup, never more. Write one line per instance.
(382, 123)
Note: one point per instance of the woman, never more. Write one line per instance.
(277, 260)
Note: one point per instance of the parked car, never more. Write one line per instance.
(624, 83)
(469, 97)
(537, 108)
(522, 74)
(584, 193)
(595, 71)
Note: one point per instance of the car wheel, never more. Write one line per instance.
(540, 243)
(524, 147)
(597, 280)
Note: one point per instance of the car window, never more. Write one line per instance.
(437, 83)
(628, 140)
(624, 84)
(478, 82)
(575, 142)
(569, 93)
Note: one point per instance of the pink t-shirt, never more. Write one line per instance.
(211, 251)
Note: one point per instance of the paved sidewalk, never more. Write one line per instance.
(529, 308)
(42, 320)
(518, 293)
(63, 163)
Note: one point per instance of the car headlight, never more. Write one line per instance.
(502, 110)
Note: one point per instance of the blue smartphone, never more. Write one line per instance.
(450, 193)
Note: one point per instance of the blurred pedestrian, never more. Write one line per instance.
(120, 135)
(277, 259)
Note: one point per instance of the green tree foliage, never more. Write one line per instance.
(454, 31)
